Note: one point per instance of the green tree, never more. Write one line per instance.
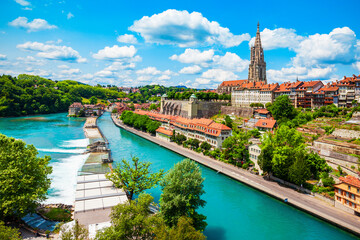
(228, 121)
(181, 194)
(24, 178)
(280, 150)
(299, 172)
(184, 230)
(282, 109)
(8, 233)
(135, 178)
(93, 100)
(75, 232)
(205, 146)
(234, 149)
(131, 221)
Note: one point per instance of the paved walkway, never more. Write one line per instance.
(305, 202)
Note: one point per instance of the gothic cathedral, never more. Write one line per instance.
(257, 67)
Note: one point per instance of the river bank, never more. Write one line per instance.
(304, 202)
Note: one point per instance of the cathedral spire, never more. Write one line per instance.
(257, 67)
(257, 39)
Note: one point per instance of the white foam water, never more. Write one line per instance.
(77, 143)
(64, 178)
(59, 150)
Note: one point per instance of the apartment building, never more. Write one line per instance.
(347, 194)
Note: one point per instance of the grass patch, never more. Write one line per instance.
(56, 214)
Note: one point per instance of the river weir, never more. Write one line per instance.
(95, 195)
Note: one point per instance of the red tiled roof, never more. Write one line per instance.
(266, 123)
(310, 83)
(233, 82)
(76, 104)
(164, 131)
(262, 111)
(353, 181)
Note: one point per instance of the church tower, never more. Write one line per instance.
(257, 67)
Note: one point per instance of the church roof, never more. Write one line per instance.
(233, 83)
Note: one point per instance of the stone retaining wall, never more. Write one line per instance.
(238, 111)
(345, 133)
(327, 145)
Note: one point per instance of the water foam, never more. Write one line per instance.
(82, 143)
(64, 178)
(59, 150)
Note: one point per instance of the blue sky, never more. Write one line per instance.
(193, 43)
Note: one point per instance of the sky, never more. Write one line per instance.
(193, 43)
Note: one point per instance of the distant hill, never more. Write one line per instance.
(28, 94)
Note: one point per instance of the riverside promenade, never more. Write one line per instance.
(304, 202)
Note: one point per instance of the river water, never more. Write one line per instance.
(233, 210)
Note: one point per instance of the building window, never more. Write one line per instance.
(349, 188)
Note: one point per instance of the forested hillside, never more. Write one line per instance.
(29, 94)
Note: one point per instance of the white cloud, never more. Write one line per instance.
(148, 71)
(299, 72)
(214, 76)
(70, 15)
(27, 9)
(105, 74)
(53, 52)
(2, 57)
(72, 71)
(195, 69)
(278, 38)
(356, 66)
(115, 53)
(23, 2)
(33, 26)
(117, 66)
(339, 46)
(63, 67)
(185, 29)
(231, 61)
(127, 38)
(164, 77)
(29, 60)
(194, 56)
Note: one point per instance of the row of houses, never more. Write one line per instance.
(305, 94)
(77, 108)
(205, 130)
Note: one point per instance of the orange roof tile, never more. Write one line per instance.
(164, 131)
(233, 82)
(266, 123)
(351, 180)
(262, 111)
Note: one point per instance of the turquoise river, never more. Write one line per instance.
(233, 210)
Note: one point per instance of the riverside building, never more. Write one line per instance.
(205, 130)
(347, 194)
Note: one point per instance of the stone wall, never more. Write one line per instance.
(196, 109)
(345, 133)
(238, 111)
(335, 147)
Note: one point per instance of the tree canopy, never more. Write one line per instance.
(282, 109)
(8, 233)
(285, 155)
(134, 221)
(182, 189)
(24, 178)
(134, 178)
